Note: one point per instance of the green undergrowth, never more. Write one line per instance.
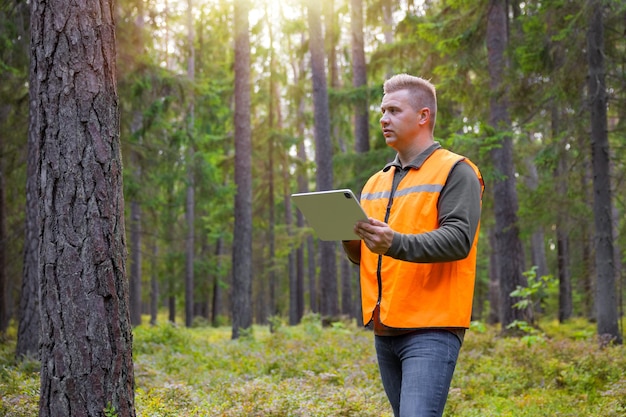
(307, 370)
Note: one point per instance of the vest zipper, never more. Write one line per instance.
(394, 184)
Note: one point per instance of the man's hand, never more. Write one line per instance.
(377, 235)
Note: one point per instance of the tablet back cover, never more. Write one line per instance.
(332, 214)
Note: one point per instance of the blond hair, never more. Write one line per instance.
(423, 93)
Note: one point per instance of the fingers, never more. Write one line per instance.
(375, 222)
(375, 235)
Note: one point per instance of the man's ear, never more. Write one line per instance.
(424, 115)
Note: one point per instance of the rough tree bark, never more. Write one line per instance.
(329, 299)
(510, 253)
(606, 293)
(86, 340)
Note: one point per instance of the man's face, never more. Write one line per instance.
(399, 120)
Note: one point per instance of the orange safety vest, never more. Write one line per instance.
(415, 295)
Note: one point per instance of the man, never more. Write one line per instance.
(417, 255)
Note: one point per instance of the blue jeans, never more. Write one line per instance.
(416, 370)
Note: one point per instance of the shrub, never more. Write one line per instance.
(310, 370)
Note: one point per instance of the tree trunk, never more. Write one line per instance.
(494, 280)
(565, 285)
(216, 305)
(537, 239)
(346, 287)
(242, 240)
(329, 300)
(295, 292)
(387, 12)
(154, 285)
(510, 253)
(273, 123)
(586, 283)
(562, 243)
(171, 273)
(303, 186)
(29, 317)
(314, 292)
(190, 199)
(171, 306)
(86, 346)
(359, 79)
(4, 299)
(562, 221)
(135, 270)
(605, 267)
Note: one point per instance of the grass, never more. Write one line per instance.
(307, 370)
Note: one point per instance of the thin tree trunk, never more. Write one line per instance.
(605, 266)
(171, 276)
(586, 283)
(154, 285)
(346, 287)
(303, 186)
(135, 270)
(537, 239)
(295, 293)
(387, 11)
(329, 305)
(171, 307)
(242, 241)
(359, 79)
(216, 305)
(562, 243)
(494, 280)
(274, 122)
(4, 299)
(190, 200)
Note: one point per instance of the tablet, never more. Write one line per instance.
(332, 214)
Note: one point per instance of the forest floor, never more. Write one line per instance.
(308, 370)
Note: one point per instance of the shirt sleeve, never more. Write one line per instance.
(459, 209)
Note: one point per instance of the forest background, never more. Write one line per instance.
(226, 108)
(533, 92)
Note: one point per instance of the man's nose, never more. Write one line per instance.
(384, 119)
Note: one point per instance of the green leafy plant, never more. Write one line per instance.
(110, 411)
(530, 296)
(535, 292)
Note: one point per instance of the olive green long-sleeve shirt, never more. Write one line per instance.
(459, 209)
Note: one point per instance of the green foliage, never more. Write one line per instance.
(536, 290)
(562, 376)
(530, 296)
(308, 370)
(302, 370)
(109, 411)
(531, 334)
